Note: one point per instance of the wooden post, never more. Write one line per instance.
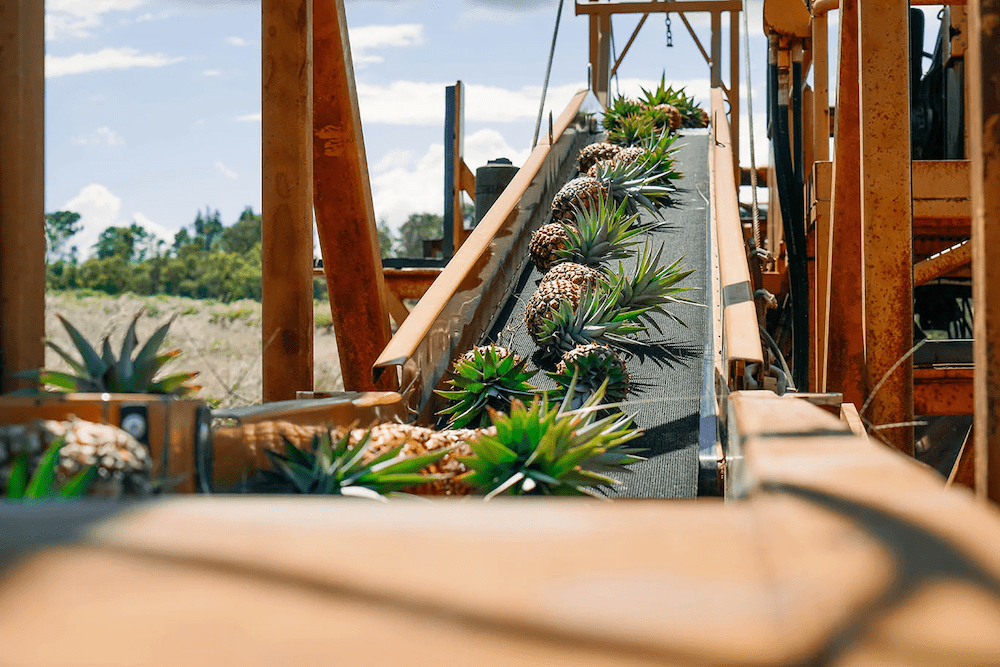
(716, 52)
(287, 282)
(600, 56)
(454, 161)
(821, 90)
(984, 154)
(887, 213)
(22, 188)
(845, 345)
(345, 216)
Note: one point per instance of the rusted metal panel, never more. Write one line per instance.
(410, 283)
(462, 302)
(821, 89)
(983, 60)
(345, 217)
(942, 264)
(941, 189)
(845, 347)
(22, 189)
(286, 258)
(942, 390)
(742, 338)
(887, 214)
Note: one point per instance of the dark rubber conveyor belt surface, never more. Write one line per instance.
(667, 405)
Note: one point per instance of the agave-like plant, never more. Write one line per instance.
(651, 287)
(487, 376)
(129, 372)
(545, 449)
(334, 466)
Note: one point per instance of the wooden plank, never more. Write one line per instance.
(22, 189)
(942, 264)
(742, 340)
(849, 415)
(672, 6)
(286, 257)
(963, 473)
(345, 217)
(845, 348)
(821, 89)
(887, 215)
(734, 85)
(982, 60)
(822, 182)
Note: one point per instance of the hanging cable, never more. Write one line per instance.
(757, 239)
(670, 35)
(548, 71)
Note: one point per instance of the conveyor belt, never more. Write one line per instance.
(667, 408)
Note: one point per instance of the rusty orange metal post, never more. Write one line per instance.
(887, 214)
(345, 217)
(845, 352)
(287, 313)
(984, 144)
(22, 188)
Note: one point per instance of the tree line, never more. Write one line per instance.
(206, 260)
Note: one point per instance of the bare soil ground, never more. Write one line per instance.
(222, 341)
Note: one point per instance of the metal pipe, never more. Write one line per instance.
(790, 200)
(821, 7)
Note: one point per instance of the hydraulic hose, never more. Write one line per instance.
(792, 210)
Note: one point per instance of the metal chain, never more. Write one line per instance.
(670, 35)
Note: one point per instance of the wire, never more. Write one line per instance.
(548, 71)
(757, 240)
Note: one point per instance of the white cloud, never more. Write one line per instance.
(211, 72)
(102, 135)
(422, 103)
(249, 118)
(226, 171)
(236, 41)
(149, 16)
(153, 228)
(369, 37)
(75, 18)
(98, 209)
(403, 183)
(105, 59)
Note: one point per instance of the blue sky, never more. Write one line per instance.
(153, 106)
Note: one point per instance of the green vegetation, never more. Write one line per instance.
(42, 485)
(209, 261)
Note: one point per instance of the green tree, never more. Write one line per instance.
(181, 239)
(208, 228)
(115, 242)
(419, 227)
(386, 243)
(59, 227)
(243, 235)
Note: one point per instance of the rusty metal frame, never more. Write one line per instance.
(466, 297)
(741, 340)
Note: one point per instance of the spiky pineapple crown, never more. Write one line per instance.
(651, 287)
(486, 377)
(638, 184)
(620, 107)
(633, 130)
(125, 373)
(603, 232)
(544, 449)
(334, 466)
(692, 115)
(596, 318)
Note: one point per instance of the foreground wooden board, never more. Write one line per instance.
(841, 552)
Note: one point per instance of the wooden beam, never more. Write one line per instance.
(887, 214)
(734, 86)
(845, 347)
(22, 189)
(821, 89)
(984, 116)
(600, 56)
(942, 264)
(287, 284)
(345, 216)
(672, 6)
(716, 63)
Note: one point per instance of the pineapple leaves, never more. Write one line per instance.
(92, 361)
(41, 486)
(485, 378)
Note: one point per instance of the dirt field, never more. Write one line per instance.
(220, 340)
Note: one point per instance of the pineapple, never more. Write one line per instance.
(113, 462)
(543, 450)
(691, 114)
(565, 316)
(603, 233)
(651, 287)
(488, 376)
(334, 465)
(633, 131)
(105, 373)
(574, 273)
(545, 243)
(635, 183)
(592, 365)
(595, 152)
(621, 107)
